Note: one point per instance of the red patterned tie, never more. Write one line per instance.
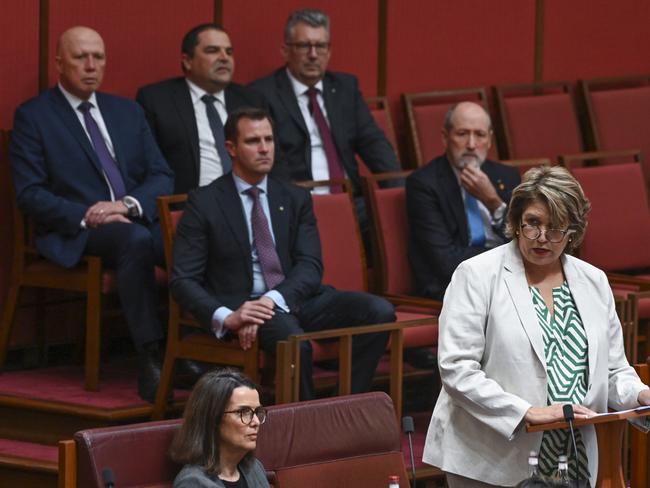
(263, 242)
(333, 162)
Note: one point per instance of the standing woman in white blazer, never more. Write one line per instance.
(526, 328)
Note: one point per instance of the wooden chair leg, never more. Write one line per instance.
(93, 328)
(8, 321)
(165, 385)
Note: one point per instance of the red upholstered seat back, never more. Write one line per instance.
(393, 226)
(429, 120)
(342, 441)
(382, 118)
(542, 125)
(618, 234)
(136, 453)
(344, 266)
(622, 120)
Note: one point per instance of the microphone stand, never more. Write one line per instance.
(569, 416)
(108, 478)
(408, 427)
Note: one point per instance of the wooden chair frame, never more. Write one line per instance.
(202, 346)
(31, 270)
(525, 164)
(421, 98)
(501, 92)
(288, 359)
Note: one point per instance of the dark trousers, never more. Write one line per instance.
(133, 251)
(332, 309)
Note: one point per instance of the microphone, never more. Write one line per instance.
(108, 478)
(569, 416)
(408, 427)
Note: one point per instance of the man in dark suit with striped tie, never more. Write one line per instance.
(247, 259)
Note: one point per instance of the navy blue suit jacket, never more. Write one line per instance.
(212, 252)
(438, 233)
(57, 175)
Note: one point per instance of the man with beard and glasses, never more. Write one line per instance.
(456, 204)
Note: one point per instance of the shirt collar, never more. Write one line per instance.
(196, 92)
(242, 185)
(299, 88)
(74, 100)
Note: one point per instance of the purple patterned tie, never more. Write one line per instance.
(108, 163)
(263, 242)
(333, 162)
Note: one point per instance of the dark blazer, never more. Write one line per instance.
(169, 110)
(57, 174)
(212, 253)
(353, 128)
(438, 233)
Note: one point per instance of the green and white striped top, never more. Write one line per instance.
(565, 350)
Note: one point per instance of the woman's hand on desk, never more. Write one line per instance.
(644, 397)
(554, 413)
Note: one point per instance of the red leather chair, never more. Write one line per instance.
(617, 114)
(342, 441)
(380, 110)
(537, 120)
(344, 258)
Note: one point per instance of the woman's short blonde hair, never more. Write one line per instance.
(560, 192)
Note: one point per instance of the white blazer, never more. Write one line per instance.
(492, 365)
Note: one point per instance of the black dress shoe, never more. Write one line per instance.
(149, 377)
(420, 357)
(188, 372)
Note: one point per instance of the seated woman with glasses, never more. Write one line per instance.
(219, 434)
(526, 328)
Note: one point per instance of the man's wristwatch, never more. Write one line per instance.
(131, 205)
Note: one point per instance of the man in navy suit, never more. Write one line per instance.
(247, 259)
(178, 109)
(457, 203)
(87, 171)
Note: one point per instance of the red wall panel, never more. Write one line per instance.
(592, 38)
(437, 45)
(18, 56)
(142, 38)
(256, 28)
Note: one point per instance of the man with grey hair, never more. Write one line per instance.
(321, 118)
(457, 203)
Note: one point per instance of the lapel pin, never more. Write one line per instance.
(281, 209)
(501, 185)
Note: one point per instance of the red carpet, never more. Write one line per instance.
(29, 450)
(64, 384)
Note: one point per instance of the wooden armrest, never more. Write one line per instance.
(621, 279)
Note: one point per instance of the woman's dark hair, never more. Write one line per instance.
(197, 441)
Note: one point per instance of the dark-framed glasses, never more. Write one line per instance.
(306, 47)
(246, 414)
(533, 232)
